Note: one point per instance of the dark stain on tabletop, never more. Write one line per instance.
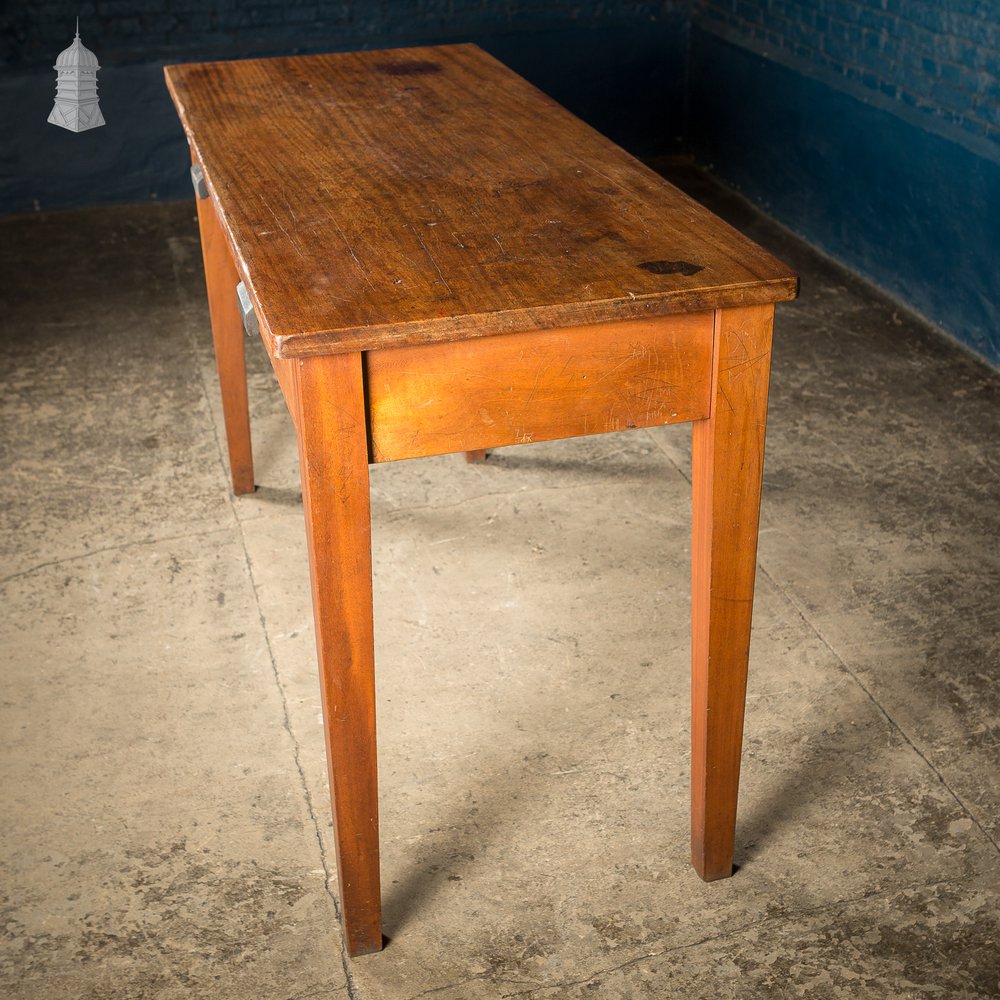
(413, 68)
(684, 267)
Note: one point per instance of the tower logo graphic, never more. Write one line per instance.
(76, 106)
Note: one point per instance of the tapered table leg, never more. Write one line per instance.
(333, 457)
(227, 334)
(727, 462)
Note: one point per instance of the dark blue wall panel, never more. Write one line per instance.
(618, 66)
(870, 127)
(914, 211)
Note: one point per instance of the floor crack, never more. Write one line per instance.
(286, 717)
(120, 547)
(790, 597)
(300, 768)
(448, 986)
(741, 929)
(877, 704)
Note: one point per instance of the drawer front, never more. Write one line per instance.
(488, 392)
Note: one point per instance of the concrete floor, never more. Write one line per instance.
(165, 825)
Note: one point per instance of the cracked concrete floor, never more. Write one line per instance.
(165, 823)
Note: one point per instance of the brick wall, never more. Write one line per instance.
(871, 128)
(125, 31)
(937, 60)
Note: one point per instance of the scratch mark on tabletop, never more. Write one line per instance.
(291, 212)
(353, 255)
(430, 257)
(600, 173)
(291, 238)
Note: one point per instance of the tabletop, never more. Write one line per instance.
(384, 198)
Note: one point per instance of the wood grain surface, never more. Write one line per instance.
(227, 336)
(333, 462)
(727, 464)
(469, 395)
(428, 194)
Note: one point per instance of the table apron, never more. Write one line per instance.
(434, 399)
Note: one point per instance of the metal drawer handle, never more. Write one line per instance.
(250, 325)
(198, 181)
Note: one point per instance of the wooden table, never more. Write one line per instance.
(439, 258)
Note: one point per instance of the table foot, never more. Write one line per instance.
(727, 463)
(476, 456)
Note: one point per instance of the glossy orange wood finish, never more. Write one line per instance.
(727, 464)
(485, 393)
(284, 372)
(227, 334)
(443, 259)
(333, 459)
(428, 194)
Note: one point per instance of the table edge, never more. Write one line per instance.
(475, 325)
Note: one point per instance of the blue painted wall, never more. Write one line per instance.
(620, 66)
(872, 129)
